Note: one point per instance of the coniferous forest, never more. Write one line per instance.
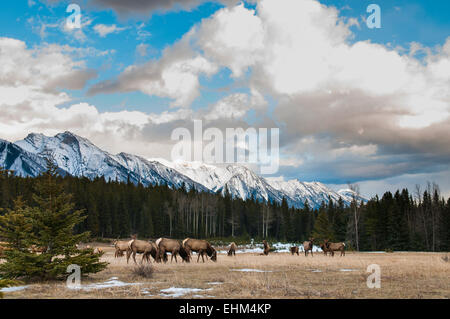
(417, 220)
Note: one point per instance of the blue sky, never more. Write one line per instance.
(242, 82)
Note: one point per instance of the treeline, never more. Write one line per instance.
(400, 221)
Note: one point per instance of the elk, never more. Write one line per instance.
(141, 247)
(332, 247)
(294, 250)
(308, 245)
(121, 247)
(266, 248)
(232, 250)
(324, 248)
(201, 247)
(175, 247)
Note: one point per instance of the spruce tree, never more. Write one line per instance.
(322, 227)
(51, 222)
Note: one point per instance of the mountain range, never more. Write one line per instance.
(78, 156)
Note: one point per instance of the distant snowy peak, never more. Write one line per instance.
(78, 156)
(350, 195)
(13, 157)
(315, 192)
(155, 173)
(210, 176)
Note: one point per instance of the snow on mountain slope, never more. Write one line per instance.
(298, 192)
(349, 194)
(79, 157)
(76, 155)
(154, 172)
(23, 163)
(212, 177)
(244, 183)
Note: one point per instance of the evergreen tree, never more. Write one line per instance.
(51, 221)
(322, 227)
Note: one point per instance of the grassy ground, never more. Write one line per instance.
(403, 275)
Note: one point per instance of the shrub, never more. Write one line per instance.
(143, 270)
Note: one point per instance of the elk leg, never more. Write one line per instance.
(128, 255)
(198, 258)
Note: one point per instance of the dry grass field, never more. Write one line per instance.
(279, 275)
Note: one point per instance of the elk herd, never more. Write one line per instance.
(159, 248)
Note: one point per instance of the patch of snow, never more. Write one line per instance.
(280, 248)
(113, 282)
(316, 270)
(175, 292)
(215, 283)
(347, 269)
(250, 270)
(146, 292)
(14, 288)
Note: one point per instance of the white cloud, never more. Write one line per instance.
(175, 75)
(103, 30)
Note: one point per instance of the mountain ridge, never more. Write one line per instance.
(77, 156)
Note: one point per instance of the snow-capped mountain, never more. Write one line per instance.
(153, 172)
(244, 183)
(25, 164)
(211, 176)
(77, 156)
(297, 192)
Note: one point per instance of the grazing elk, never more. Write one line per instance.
(232, 250)
(294, 250)
(142, 247)
(332, 247)
(308, 245)
(121, 246)
(173, 246)
(324, 248)
(266, 248)
(201, 247)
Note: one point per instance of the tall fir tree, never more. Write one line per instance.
(51, 222)
(322, 226)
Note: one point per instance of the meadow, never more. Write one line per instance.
(250, 275)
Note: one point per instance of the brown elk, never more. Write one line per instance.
(266, 248)
(121, 246)
(201, 247)
(143, 247)
(307, 246)
(232, 250)
(294, 250)
(175, 247)
(324, 248)
(332, 247)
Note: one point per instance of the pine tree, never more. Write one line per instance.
(51, 221)
(322, 227)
